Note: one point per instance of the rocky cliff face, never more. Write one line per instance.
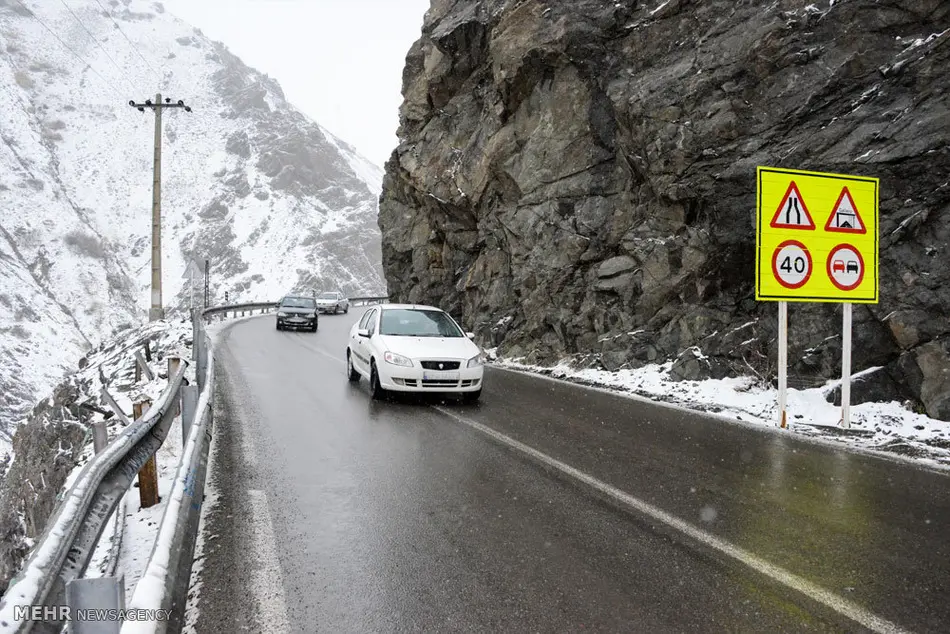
(577, 177)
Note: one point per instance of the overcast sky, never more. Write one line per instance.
(339, 61)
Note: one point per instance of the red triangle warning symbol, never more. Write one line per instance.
(844, 215)
(792, 212)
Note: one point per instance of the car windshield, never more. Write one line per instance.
(297, 302)
(411, 322)
(327, 296)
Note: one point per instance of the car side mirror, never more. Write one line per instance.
(470, 335)
(363, 332)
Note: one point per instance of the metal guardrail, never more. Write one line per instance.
(249, 308)
(244, 309)
(357, 301)
(64, 550)
(164, 584)
(72, 532)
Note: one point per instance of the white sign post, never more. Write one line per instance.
(846, 366)
(782, 363)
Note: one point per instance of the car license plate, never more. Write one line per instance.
(430, 375)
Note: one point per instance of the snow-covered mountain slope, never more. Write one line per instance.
(274, 201)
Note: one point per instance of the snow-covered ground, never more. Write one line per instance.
(888, 427)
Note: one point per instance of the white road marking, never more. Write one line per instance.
(266, 578)
(336, 358)
(840, 605)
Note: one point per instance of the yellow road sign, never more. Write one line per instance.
(816, 237)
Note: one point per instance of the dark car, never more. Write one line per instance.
(297, 311)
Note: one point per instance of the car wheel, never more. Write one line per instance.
(471, 397)
(378, 392)
(347, 309)
(351, 372)
(278, 327)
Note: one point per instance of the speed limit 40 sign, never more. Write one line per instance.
(791, 264)
(816, 237)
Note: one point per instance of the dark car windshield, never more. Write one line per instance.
(297, 302)
(412, 322)
(328, 296)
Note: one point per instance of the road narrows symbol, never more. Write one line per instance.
(792, 213)
(791, 264)
(845, 267)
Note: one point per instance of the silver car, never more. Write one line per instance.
(333, 302)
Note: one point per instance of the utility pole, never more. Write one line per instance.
(156, 311)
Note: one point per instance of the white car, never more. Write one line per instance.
(333, 302)
(410, 348)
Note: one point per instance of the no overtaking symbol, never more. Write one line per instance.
(845, 267)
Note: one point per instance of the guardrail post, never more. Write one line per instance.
(105, 593)
(201, 364)
(173, 364)
(195, 333)
(189, 406)
(148, 474)
(100, 437)
(114, 406)
(143, 365)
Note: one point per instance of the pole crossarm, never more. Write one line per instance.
(148, 103)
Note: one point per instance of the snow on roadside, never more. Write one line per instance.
(210, 503)
(886, 427)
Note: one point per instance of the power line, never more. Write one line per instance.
(67, 47)
(131, 43)
(98, 43)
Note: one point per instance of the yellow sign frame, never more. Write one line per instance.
(825, 198)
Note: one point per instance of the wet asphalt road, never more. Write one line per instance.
(339, 514)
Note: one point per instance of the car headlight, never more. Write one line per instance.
(281, 314)
(476, 361)
(397, 359)
(311, 315)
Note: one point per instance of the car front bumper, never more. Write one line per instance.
(297, 322)
(404, 379)
(327, 308)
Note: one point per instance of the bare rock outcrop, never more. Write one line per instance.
(578, 177)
